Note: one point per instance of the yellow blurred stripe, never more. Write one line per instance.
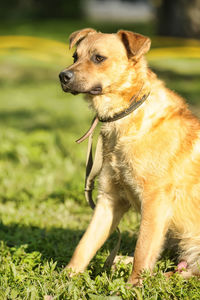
(45, 48)
(34, 43)
(174, 41)
(174, 52)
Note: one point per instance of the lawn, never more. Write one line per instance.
(43, 212)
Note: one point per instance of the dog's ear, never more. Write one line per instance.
(77, 36)
(135, 43)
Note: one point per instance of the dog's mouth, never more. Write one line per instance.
(96, 90)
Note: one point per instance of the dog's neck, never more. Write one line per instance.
(135, 102)
(113, 107)
(132, 87)
(139, 121)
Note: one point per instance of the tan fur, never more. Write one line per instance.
(151, 158)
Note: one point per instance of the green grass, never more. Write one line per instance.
(42, 207)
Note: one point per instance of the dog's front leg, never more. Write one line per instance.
(106, 217)
(154, 225)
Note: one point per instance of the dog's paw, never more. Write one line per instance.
(182, 266)
(125, 259)
(181, 269)
(134, 281)
(71, 271)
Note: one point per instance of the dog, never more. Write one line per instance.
(151, 156)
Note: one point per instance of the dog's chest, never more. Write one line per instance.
(122, 169)
(122, 165)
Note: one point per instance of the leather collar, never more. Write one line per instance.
(133, 106)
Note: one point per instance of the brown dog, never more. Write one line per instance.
(151, 157)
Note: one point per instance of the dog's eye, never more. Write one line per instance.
(97, 59)
(75, 56)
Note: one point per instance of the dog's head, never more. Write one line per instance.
(101, 60)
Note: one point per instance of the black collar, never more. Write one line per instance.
(133, 106)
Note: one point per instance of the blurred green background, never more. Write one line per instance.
(42, 169)
(40, 163)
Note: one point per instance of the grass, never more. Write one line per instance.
(42, 207)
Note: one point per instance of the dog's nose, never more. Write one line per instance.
(66, 76)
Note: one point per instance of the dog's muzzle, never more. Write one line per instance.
(67, 79)
(69, 84)
(66, 76)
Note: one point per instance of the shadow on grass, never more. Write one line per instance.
(57, 244)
